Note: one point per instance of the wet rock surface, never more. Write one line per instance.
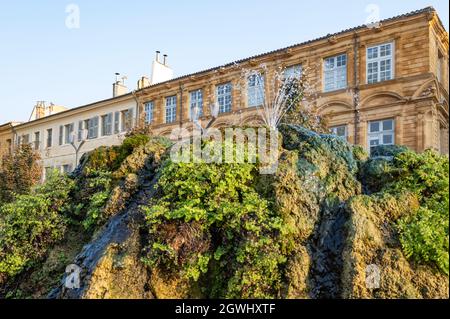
(326, 255)
(110, 264)
(337, 233)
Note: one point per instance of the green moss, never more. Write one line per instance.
(373, 240)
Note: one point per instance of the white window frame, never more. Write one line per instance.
(380, 59)
(255, 90)
(224, 97)
(127, 117)
(49, 142)
(68, 133)
(334, 130)
(37, 141)
(171, 109)
(379, 135)
(66, 168)
(116, 122)
(107, 124)
(331, 69)
(149, 108)
(196, 101)
(92, 127)
(293, 72)
(80, 130)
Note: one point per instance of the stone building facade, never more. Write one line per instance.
(385, 83)
(394, 83)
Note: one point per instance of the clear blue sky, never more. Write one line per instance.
(42, 59)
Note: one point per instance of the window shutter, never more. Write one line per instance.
(109, 120)
(80, 131)
(130, 118)
(95, 127)
(116, 122)
(72, 129)
(61, 135)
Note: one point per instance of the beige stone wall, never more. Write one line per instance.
(6, 135)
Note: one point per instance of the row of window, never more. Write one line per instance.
(379, 67)
(255, 95)
(111, 123)
(379, 132)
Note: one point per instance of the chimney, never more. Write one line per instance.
(119, 87)
(143, 82)
(40, 110)
(161, 72)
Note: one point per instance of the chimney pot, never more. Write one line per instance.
(157, 55)
(165, 59)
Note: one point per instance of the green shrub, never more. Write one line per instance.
(388, 150)
(128, 146)
(209, 223)
(424, 235)
(97, 189)
(31, 224)
(19, 172)
(110, 158)
(102, 158)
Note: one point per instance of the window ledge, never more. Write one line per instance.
(338, 91)
(376, 84)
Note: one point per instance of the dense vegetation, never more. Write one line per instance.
(237, 234)
(424, 233)
(211, 216)
(32, 223)
(224, 230)
(19, 172)
(35, 218)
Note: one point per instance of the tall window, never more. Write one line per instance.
(440, 67)
(381, 133)
(68, 130)
(47, 172)
(9, 146)
(224, 97)
(171, 109)
(37, 140)
(66, 169)
(293, 72)
(116, 122)
(49, 137)
(255, 90)
(92, 127)
(26, 139)
(107, 124)
(340, 131)
(149, 109)
(61, 135)
(80, 131)
(196, 104)
(335, 73)
(380, 63)
(127, 120)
